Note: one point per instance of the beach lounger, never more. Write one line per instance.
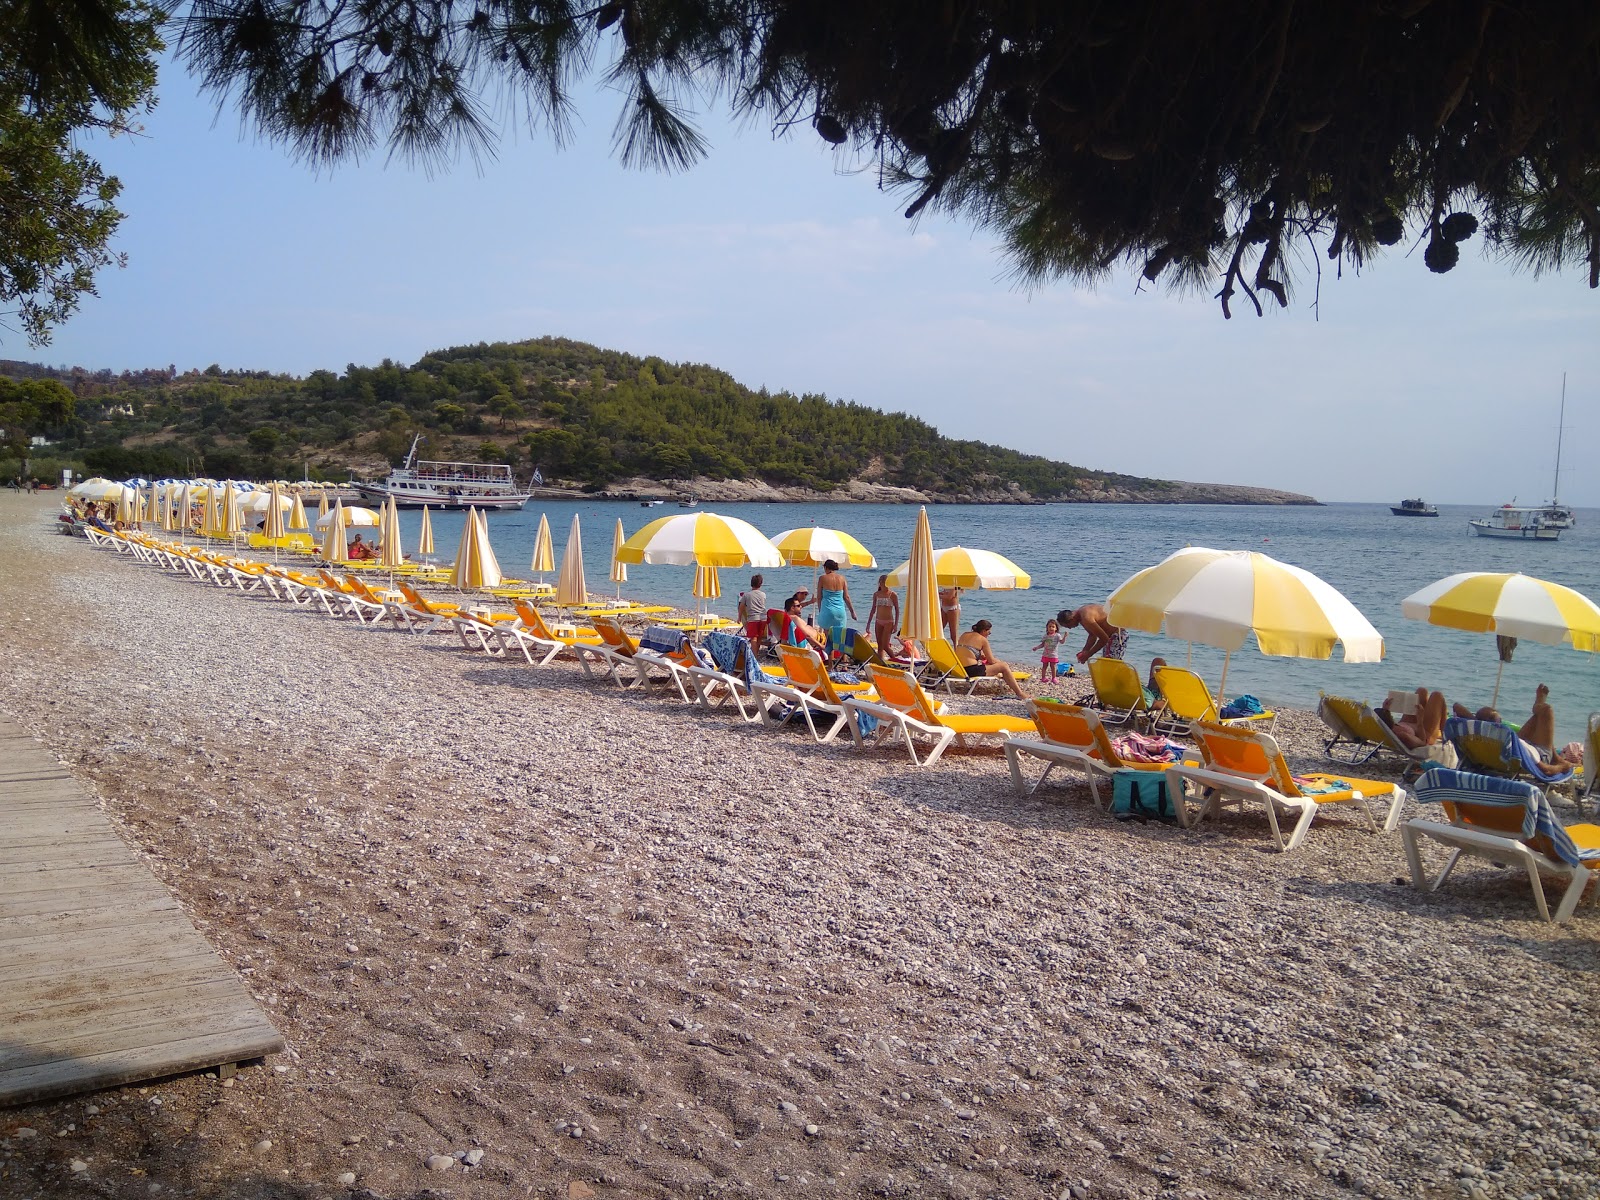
(536, 641)
(1069, 736)
(1493, 748)
(945, 669)
(1118, 694)
(421, 615)
(805, 690)
(732, 678)
(1185, 699)
(1246, 766)
(1506, 822)
(903, 708)
(1356, 733)
(619, 650)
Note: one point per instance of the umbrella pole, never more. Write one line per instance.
(1495, 701)
(1222, 688)
(1188, 662)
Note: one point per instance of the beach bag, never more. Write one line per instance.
(1140, 796)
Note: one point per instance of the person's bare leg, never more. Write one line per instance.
(1540, 728)
(1004, 672)
(1431, 712)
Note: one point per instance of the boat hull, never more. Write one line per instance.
(1413, 512)
(412, 499)
(1528, 533)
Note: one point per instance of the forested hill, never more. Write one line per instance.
(585, 416)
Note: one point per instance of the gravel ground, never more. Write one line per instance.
(532, 936)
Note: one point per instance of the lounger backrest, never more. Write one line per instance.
(1496, 805)
(412, 595)
(1351, 714)
(614, 635)
(1591, 745)
(1188, 698)
(1063, 724)
(1116, 684)
(900, 690)
(533, 619)
(1245, 753)
(802, 666)
(942, 655)
(1482, 745)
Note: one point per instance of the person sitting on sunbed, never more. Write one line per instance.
(980, 660)
(1422, 725)
(796, 632)
(359, 550)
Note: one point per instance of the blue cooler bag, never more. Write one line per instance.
(1140, 796)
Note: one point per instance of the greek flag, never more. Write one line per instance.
(538, 478)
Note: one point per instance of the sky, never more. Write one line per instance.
(780, 261)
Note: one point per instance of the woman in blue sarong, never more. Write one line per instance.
(833, 599)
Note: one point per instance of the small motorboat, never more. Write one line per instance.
(1413, 508)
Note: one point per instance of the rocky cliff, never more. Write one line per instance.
(1089, 491)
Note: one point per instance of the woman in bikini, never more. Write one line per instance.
(979, 659)
(884, 616)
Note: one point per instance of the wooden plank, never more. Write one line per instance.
(103, 980)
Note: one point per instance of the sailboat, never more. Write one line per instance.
(1556, 515)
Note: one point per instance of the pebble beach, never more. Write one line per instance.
(531, 935)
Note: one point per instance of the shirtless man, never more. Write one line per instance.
(1104, 637)
(980, 661)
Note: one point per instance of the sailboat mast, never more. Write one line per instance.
(1561, 428)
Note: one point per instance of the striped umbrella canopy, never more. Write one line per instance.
(276, 502)
(96, 489)
(259, 502)
(570, 586)
(425, 538)
(707, 583)
(619, 569)
(391, 553)
(1221, 597)
(957, 566)
(920, 618)
(1511, 605)
(475, 565)
(356, 516)
(333, 548)
(297, 517)
(700, 539)
(544, 552)
(814, 546)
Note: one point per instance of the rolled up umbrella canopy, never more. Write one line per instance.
(297, 517)
(813, 546)
(700, 539)
(322, 506)
(476, 565)
(707, 583)
(276, 503)
(1221, 597)
(1510, 605)
(425, 538)
(544, 555)
(209, 521)
(920, 618)
(333, 547)
(619, 569)
(391, 553)
(571, 588)
(959, 566)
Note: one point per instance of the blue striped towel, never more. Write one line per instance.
(1440, 783)
(1512, 748)
(732, 655)
(661, 640)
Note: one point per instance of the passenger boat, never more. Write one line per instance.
(1509, 521)
(447, 484)
(1413, 508)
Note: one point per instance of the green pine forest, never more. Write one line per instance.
(586, 417)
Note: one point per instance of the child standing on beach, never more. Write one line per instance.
(753, 612)
(1049, 644)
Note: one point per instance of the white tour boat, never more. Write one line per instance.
(1509, 521)
(447, 484)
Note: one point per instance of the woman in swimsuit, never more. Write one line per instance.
(884, 615)
(950, 611)
(976, 656)
(833, 598)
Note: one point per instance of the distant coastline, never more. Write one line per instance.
(1089, 491)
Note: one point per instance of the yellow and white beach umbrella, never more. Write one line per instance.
(813, 546)
(391, 553)
(276, 502)
(920, 618)
(333, 548)
(700, 539)
(1509, 604)
(355, 517)
(258, 502)
(475, 565)
(169, 508)
(297, 517)
(958, 566)
(570, 585)
(96, 489)
(544, 554)
(1221, 597)
(210, 523)
(228, 515)
(619, 569)
(425, 538)
(322, 504)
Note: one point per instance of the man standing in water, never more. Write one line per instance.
(1104, 637)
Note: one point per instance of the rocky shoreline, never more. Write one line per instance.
(857, 491)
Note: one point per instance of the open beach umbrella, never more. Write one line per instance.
(96, 489)
(267, 497)
(813, 546)
(475, 565)
(619, 569)
(333, 548)
(700, 539)
(425, 538)
(920, 618)
(297, 517)
(356, 516)
(570, 586)
(544, 554)
(391, 553)
(1510, 605)
(960, 567)
(1221, 597)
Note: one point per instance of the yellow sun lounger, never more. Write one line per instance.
(1185, 699)
(806, 691)
(1247, 767)
(1069, 736)
(1117, 691)
(618, 648)
(945, 669)
(539, 643)
(905, 709)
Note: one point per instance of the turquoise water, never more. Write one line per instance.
(1078, 553)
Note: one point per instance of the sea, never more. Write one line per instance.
(1078, 553)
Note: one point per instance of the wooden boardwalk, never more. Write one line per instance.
(103, 980)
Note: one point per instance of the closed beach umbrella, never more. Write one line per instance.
(209, 522)
(961, 567)
(920, 618)
(544, 555)
(391, 553)
(570, 586)
(228, 517)
(425, 538)
(707, 584)
(356, 516)
(475, 565)
(297, 517)
(1511, 605)
(814, 546)
(276, 502)
(322, 506)
(700, 539)
(169, 514)
(333, 548)
(619, 569)
(1221, 597)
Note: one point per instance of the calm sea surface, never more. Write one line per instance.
(1079, 553)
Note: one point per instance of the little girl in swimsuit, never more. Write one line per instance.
(1052, 640)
